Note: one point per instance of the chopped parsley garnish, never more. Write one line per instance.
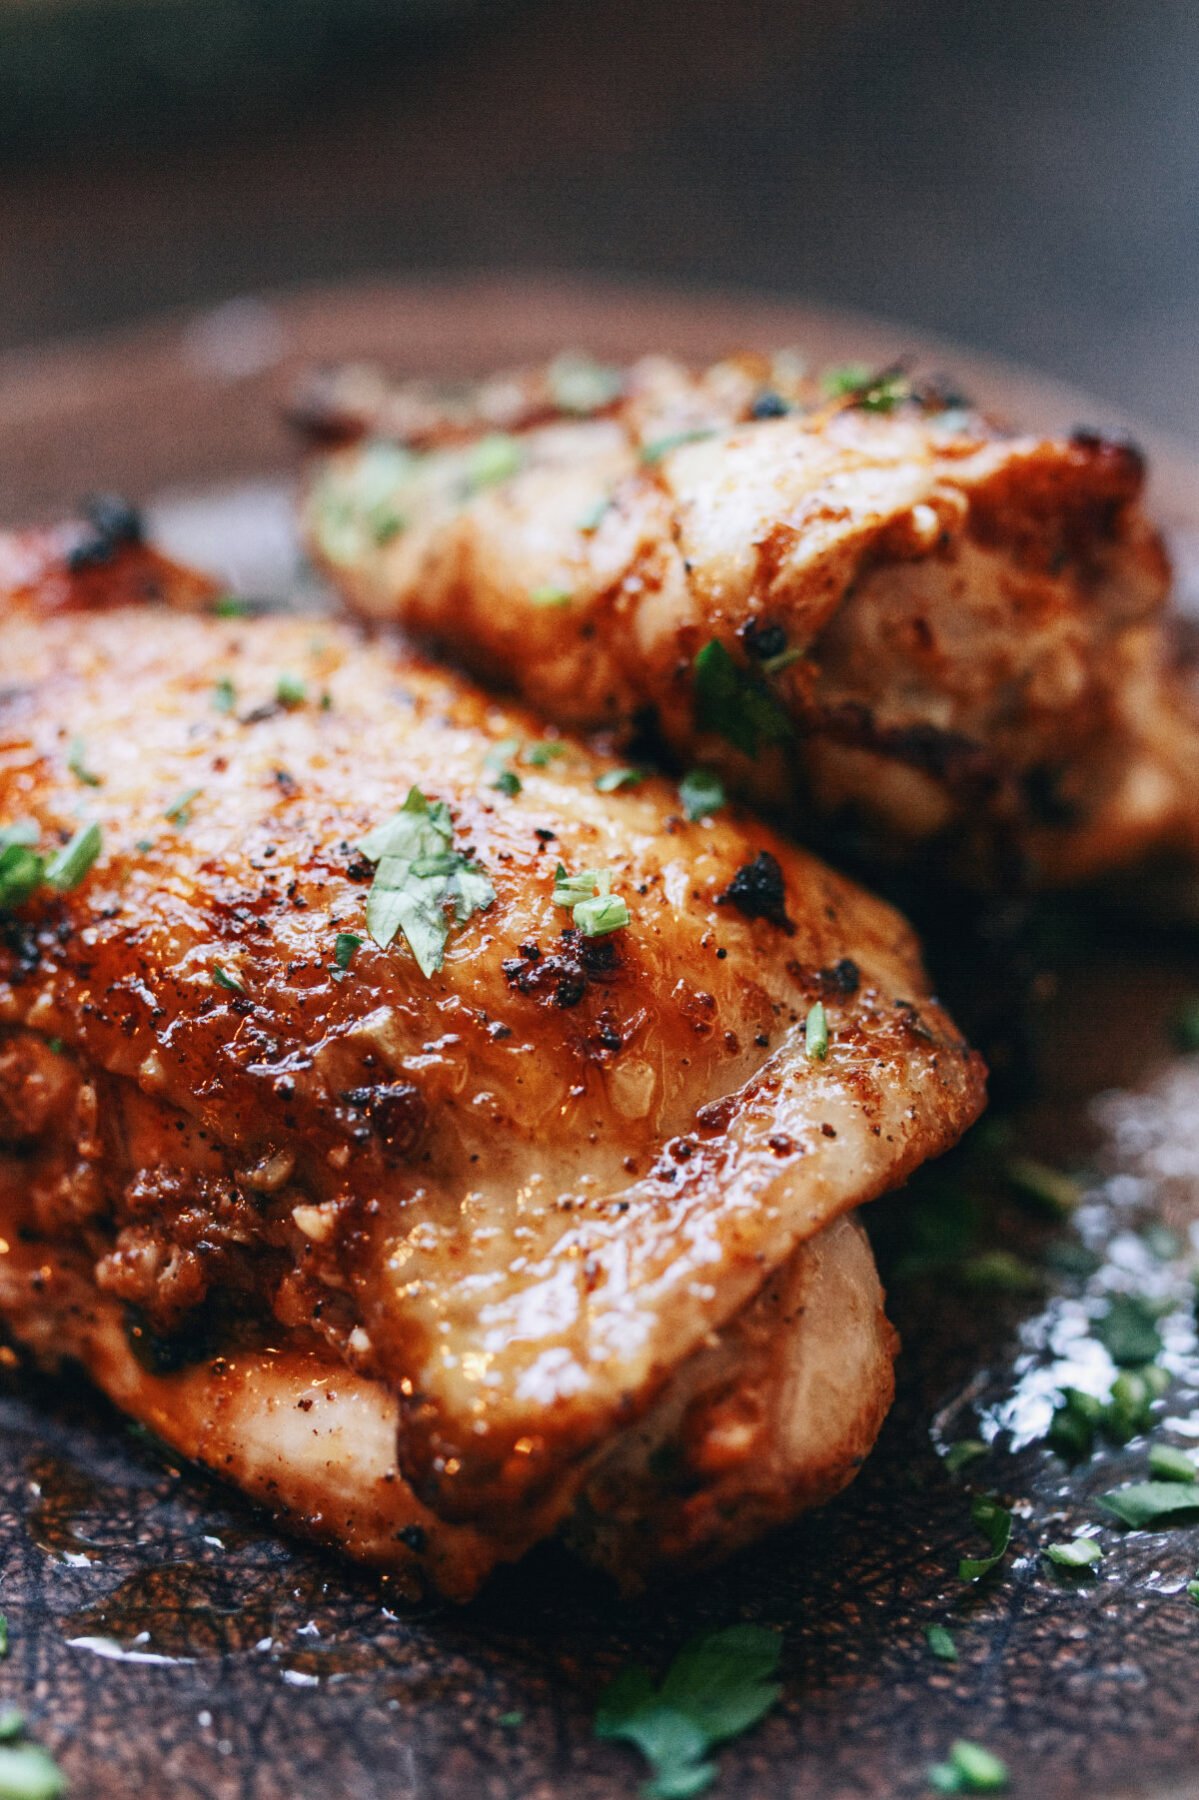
(179, 812)
(612, 780)
(345, 944)
(716, 1688)
(385, 523)
(881, 392)
(549, 594)
(421, 881)
(223, 979)
(21, 867)
(702, 794)
(1077, 1553)
(594, 908)
(590, 520)
(68, 866)
(964, 1452)
(815, 1033)
(231, 606)
(1166, 1463)
(224, 695)
(995, 1523)
(940, 1642)
(1144, 1503)
(653, 452)
(291, 691)
(1055, 1193)
(12, 1724)
(510, 1720)
(1193, 1591)
(580, 385)
(969, 1770)
(1128, 1330)
(507, 781)
(731, 700)
(27, 1772)
(1076, 1419)
(542, 753)
(494, 458)
(3, 1634)
(77, 763)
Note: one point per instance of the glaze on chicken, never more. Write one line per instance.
(433, 1263)
(909, 631)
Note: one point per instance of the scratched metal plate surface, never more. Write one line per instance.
(167, 1643)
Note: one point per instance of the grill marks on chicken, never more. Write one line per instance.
(877, 608)
(507, 1219)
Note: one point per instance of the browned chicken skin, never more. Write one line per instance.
(876, 609)
(433, 1262)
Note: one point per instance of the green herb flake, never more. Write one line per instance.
(658, 448)
(580, 385)
(716, 1688)
(965, 1451)
(970, 1770)
(21, 872)
(540, 755)
(1129, 1409)
(345, 945)
(549, 594)
(940, 1642)
(12, 1724)
(223, 979)
(231, 606)
(701, 793)
(68, 866)
(1128, 1330)
(493, 459)
(612, 780)
(1145, 1503)
(385, 523)
(815, 1033)
(1075, 1421)
(27, 1772)
(224, 695)
(847, 378)
(1193, 1591)
(1049, 1189)
(77, 763)
(179, 812)
(880, 393)
(3, 1634)
(732, 701)
(1077, 1553)
(510, 1720)
(590, 521)
(421, 881)
(594, 908)
(1166, 1463)
(507, 782)
(291, 691)
(995, 1523)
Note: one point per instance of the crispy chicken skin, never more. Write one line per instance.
(503, 1217)
(876, 610)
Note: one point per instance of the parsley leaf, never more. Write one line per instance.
(1169, 1464)
(940, 1642)
(970, 1770)
(179, 812)
(702, 794)
(68, 866)
(732, 701)
(653, 452)
(815, 1033)
(880, 393)
(716, 1688)
(595, 909)
(542, 753)
(1128, 1330)
(995, 1523)
(223, 979)
(1144, 1503)
(345, 945)
(1079, 1553)
(966, 1450)
(21, 868)
(612, 780)
(77, 763)
(493, 459)
(550, 594)
(291, 691)
(421, 880)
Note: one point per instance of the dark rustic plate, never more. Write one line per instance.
(167, 1643)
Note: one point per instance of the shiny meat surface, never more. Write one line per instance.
(519, 1193)
(874, 608)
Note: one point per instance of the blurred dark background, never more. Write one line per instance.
(1023, 176)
